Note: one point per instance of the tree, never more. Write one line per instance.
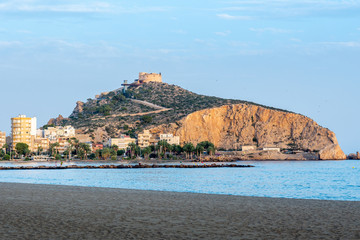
(199, 149)
(84, 148)
(209, 147)
(206, 144)
(76, 144)
(72, 142)
(92, 156)
(146, 151)
(120, 152)
(177, 148)
(189, 149)
(39, 150)
(22, 149)
(54, 148)
(105, 153)
(132, 147)
(113, 154)
(115, 147)
(163, 146)
(211, 150)
(98, 153)
(6, 147)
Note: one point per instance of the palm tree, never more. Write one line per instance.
(146, 151)
(163, 146)
(199, 149)
(39, 150)
(189, 149)
(85, 148)
(115, 147)
(70, 147)
(132, 147)
(105, 153)
(6, 147)
(54, 148)
(211, 150)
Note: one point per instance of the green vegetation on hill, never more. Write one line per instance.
(118, 113)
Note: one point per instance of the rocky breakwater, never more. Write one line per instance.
(233, 126)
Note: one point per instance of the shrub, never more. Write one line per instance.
(146, 119)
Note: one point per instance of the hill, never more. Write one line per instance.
(145, 106)
(228, 123)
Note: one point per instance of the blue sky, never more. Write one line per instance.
(301, 56)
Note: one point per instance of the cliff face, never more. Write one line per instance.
(232, 126)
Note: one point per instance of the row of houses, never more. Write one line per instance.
(23, 130)
(144, 139)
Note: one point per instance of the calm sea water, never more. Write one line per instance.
(332, 180)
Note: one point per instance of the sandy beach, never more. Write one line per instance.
(29, 211)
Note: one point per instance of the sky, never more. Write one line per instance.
(302, 56)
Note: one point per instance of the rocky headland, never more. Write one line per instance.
(232, 126)
(229, 124)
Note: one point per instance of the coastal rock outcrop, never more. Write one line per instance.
(232, 126)
(332, 152)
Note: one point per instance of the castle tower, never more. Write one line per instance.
(149, 77)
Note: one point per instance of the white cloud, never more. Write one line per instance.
(295, 40)
(286, 8)
(231, 17)
(180, 31)
(4, 44)
(342, 44)
(271, 30)
(36, 6)
(224, 34)
(81, 7)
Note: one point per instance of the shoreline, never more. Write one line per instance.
(69, 212)
(126, 166)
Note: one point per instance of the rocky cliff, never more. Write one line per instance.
(232, 126)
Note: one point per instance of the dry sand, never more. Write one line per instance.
(30, 211)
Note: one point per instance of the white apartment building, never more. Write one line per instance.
(170, 138)
(122, 142)
(53, 133)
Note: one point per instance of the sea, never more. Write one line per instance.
(325, 180)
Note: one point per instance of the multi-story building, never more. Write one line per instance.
(2, 139)
(170, 138)
(144, 139)
(41, 144)
(122, 142)
(53, 133)
(63, 144)
(23, 130)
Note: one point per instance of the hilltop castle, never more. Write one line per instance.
(147, 77)
(143, 78)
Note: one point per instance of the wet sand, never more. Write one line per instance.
(29, 211)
